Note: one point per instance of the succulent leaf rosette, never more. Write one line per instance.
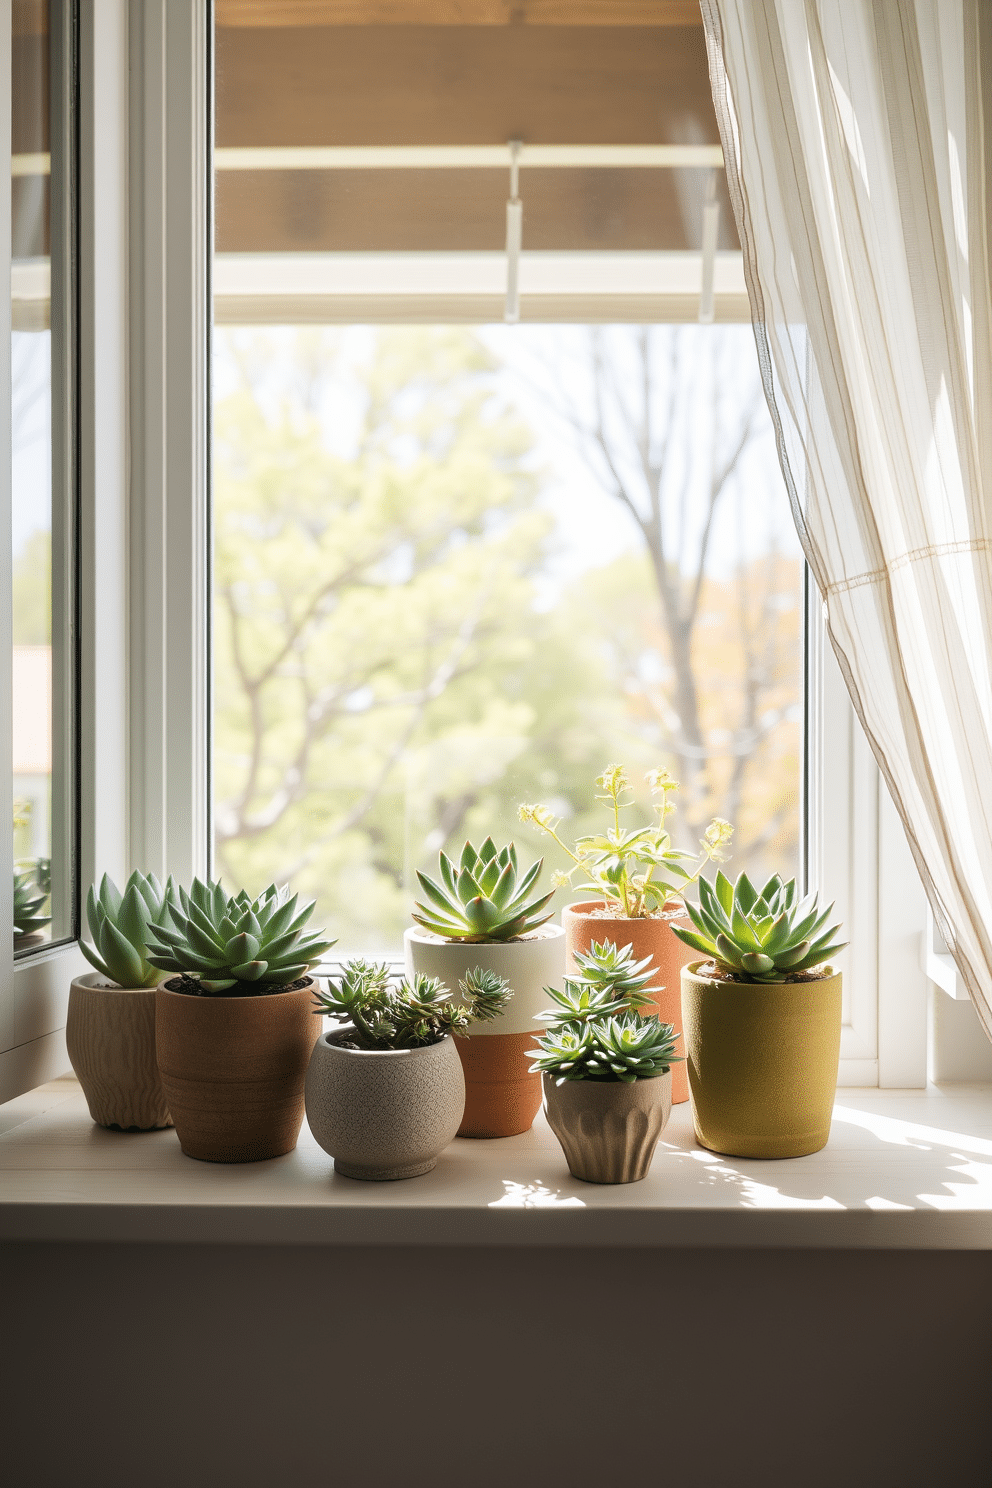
(237, 945)
(481, 899)
(119, 924)
(634, 870)
(409, 1013)
(595, 1028)
(760, 935)
(29, 898)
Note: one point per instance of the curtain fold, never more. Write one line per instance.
(858, 143)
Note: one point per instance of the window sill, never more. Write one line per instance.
(902, 1170)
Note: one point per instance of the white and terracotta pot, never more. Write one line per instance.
(608, 1129)
(589, 921)
(502, 1097)
(110, 1038)
(384, 1113)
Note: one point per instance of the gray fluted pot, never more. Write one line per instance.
(608, 1130)
(384, 1113)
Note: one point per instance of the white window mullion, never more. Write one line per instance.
(169, 804)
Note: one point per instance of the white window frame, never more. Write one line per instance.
(145, 242)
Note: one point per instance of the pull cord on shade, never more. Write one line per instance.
(514, 237)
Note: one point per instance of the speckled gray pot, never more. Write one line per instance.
(384, 1114)
(608, 1132)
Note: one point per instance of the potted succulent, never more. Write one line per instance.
(110, 1028)
(762, 1018)
(637, 878)
(607, 1068)
(385, 1092)
(29, 899)
(234, 1025)
(483, 913)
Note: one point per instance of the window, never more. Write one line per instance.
(143, 342)
(462, 565)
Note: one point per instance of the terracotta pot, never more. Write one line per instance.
(762, 1062)
(110, 1038)
(502, 1097)
(608, 1130)
(384, 1113)
(233, 1070)
(652, 937)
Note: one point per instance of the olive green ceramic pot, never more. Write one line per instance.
(762, 1062)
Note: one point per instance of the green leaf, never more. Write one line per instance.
(724, 892)
(121, 957)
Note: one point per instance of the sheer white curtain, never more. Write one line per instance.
(858, 141)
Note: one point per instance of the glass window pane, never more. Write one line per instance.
(462, 564)
(41, 476)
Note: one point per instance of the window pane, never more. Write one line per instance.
(463, 564)
(42, 523)
(461, 568)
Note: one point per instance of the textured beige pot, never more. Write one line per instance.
(110, 1038)
(762, 1062)
(233, 1070)
(583, 923)
(502, 1097)
(384, 1113)
(608, 1131)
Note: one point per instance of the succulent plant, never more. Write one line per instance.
(635, 871)
(410, 1013)
(481, 899)
(767, 935)
(236, 945)
(119, 924)
(627, 1048)
(28, 900)
(607, 965)
(596, 1031)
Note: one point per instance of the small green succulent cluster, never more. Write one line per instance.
(481, 899)
(29, 897)
(596, 1030)
(119, 924)
(237, 945)
(766, 935)
(412, 1012)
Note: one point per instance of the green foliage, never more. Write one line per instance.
(119, 924)
(236, 945)
(480, 899)
(28, 900)
(634, 871)
(408, 1014)
(766, 936)
(606, 965)
(595, 1030)
(610, 1049)
(374, 615)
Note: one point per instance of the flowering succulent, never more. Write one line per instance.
(481, 899)
(119, 926)
(634, 871)
(595, 1029)
(236, 945)
(407, 1014)
(28, 900)
(769, 935)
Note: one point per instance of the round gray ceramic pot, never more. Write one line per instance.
(384, 1113)
(608, 1130)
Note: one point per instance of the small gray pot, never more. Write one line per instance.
(608, 1130)
(384, 1113)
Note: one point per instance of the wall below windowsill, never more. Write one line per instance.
(902, 1170)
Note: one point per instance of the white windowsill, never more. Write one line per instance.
(902, 1170)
